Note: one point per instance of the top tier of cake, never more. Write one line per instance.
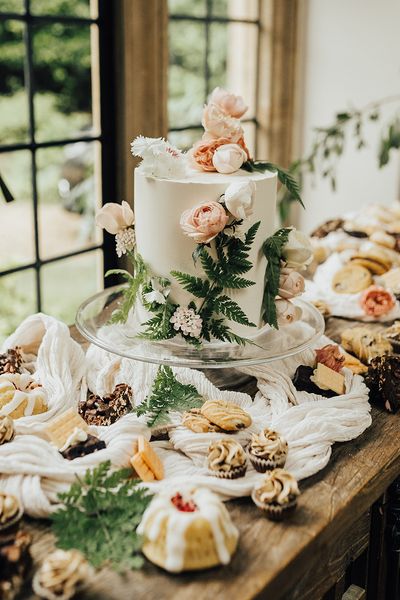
(159, 204)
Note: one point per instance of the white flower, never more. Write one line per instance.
(239, 198)
(298, 251)
(115, 217)
(287, 312)
(187, 321)
(158, 294)
(160, 158)
(228, 158)
(125, 241)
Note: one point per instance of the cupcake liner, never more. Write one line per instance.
(265, 464)
(234, 473)
(275, 512)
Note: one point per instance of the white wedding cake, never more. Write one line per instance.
(159, 204)
(207, 262)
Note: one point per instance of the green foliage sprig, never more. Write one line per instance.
(272, 249)
(285, 177)
(130, 293)
(100, 515)
(330, 142)
(167, 394)
(223, 273)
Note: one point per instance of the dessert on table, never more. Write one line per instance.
(187, 529)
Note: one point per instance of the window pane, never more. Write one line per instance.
(186, 73)
(235, 9)
(12, 6)
(62, 71)
(67, 198)
(76, 8)
(233, 60)
(185, 139)
(17, 300)
(67, 283)
(16, 217)
(187, 7)
(13, 98)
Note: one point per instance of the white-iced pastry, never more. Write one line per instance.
(61, 575)
(21, 396)
(186, 530)
(159, 204)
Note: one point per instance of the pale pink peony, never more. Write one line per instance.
(218, 124)
(291, 283)
(287, 312)
(230, 103)
(115, 217)
(204, 222)
(330, 356)
(376, 301)
(203, 151)
(229, 158)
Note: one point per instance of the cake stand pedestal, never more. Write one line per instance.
(268, 345)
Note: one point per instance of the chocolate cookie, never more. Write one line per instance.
(383, 380)
(105, 411)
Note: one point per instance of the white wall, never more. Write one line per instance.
(351, 57)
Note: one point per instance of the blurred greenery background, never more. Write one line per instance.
(61, 55)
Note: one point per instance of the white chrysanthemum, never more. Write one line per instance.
(160, 158)
(187, 321)
(125, 241)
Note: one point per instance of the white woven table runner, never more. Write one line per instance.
(31, 468)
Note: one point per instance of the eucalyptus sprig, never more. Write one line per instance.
(99, 517)
(167, 394)
(272, 249)
(329, 144)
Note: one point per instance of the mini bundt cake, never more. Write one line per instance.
(186, 530)
(21, 396)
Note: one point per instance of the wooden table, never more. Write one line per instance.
(338, 541)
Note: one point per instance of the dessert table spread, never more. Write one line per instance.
(332, 545)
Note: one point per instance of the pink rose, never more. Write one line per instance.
(287, 312)
(229, 158)
(115, 217)
(232, 105)
(330, 356)
(203, 151)
(376, 301)
(204, 222)
(218, 124)
(291, 283)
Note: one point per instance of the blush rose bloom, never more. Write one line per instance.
(298, 251)
(239, 198)
(291, 283)
(287, 312)
(114, 217)
(204, 222)
(230, 103)
(229, 158)
(376, 301)
(218, 124)
(330, 356)
(203, 151)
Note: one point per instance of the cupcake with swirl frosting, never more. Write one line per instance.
(267, 450)
(276, 494)
(226, 459)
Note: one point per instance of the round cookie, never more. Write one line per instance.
(351, 279)
(197, 422)
(227, 415)
(383, 239)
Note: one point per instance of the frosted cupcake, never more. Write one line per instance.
(10, 511)
(226, 459)
(276, 494)
(267, 450)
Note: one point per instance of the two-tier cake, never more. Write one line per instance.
(206, 261)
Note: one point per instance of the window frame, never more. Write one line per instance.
(106, 138)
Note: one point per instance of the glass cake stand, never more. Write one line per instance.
(267, 344)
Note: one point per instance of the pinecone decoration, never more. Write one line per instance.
(105, 411)
(11, 361)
